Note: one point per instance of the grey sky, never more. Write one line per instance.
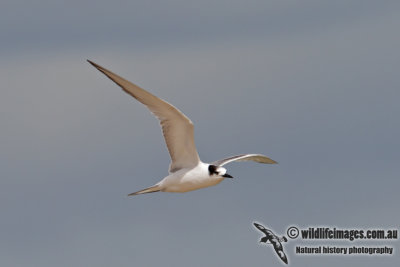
(312, 84)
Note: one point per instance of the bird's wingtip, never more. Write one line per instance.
(91, 62)
(97, 66)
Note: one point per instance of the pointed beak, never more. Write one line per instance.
(227, 176)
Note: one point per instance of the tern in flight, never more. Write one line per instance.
(274, 240)
(186, 171)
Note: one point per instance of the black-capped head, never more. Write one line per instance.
(218, 171)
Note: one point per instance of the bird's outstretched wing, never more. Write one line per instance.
(261, 228)
(245, 157)
(177, 128)
(281, 254)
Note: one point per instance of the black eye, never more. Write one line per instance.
(212, 169)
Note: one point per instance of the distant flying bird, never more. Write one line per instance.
(186, 171)
(274, 240)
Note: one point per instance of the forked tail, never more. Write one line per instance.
(151, 189)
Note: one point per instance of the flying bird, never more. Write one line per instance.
(186, 171)
(274, 240)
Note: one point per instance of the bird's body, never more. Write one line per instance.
(187, 171)
(186, 180)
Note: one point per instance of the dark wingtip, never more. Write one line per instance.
(91, 62)
(100, 68)
(258, 226)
